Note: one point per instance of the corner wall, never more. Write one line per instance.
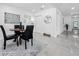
(59, 22)
(55, 27)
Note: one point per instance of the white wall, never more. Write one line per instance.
(10, 9)
(54, 28)
(59, 22)
(42, 27)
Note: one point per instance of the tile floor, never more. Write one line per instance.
(64, 45)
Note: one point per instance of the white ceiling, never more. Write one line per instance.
(65, 8)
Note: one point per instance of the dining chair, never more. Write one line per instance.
(18, 26)
(6, 38)
(28, 34)
(22, 28)
(17, 32)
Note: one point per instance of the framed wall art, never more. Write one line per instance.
(11, 18)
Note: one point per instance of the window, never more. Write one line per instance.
(75, 24)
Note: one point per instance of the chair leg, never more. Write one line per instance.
(14, 40)
(4, 45)
(25, 44)
(20, 41)
(32, 42)
(17, 42)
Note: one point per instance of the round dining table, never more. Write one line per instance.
(18, 30)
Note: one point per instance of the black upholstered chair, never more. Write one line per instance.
(9, 37)
(21, 27)
(17, 32)
(28, 34)
(18, 26)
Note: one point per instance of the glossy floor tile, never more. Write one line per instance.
(64, 45)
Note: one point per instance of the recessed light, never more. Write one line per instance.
(43, 6)
(75, 16)
(73, 8)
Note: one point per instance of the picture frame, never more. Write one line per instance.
(11, 18)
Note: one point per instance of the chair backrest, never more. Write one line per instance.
(29, 29)
(16, 26)
(22, 27)
(4, 33)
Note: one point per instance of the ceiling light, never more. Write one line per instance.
(75, 16)
(43, 6)
(73, 8)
